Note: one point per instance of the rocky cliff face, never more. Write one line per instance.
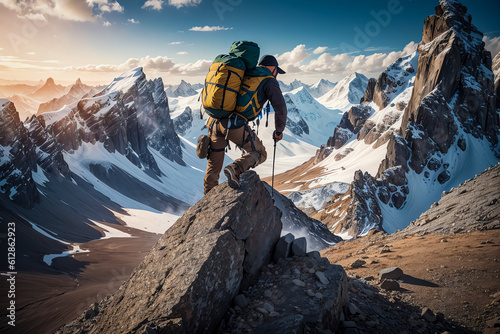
(370, 89)
(496, 71)
(184, 121)
(48, 151)
(129, 118)
(294, 122)
(17, 158)
(392, 81)
(187, 282)
(454, 79)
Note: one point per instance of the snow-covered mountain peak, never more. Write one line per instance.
(292, 86)
(321, 87)
(347, 92)
(322, 82)
(125, 81)
(184, 89)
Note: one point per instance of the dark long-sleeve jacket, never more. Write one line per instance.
(272, 92)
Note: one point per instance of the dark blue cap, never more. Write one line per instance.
(268, 60)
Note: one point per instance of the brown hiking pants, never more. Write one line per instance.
(244, 138)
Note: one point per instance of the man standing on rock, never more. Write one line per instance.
(235, 128)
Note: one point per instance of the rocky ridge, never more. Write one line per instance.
(211, 254)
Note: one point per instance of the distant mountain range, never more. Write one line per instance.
(316, 90)
(48, 96)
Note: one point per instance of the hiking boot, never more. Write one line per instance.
(232, 178)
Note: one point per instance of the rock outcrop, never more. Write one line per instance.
(454, 79)
(188, 281)
(48, 151)
(370, 89)
(350, 124)
(363, 212)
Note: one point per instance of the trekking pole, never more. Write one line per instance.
(274, 160)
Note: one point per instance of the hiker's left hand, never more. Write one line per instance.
(277, 136)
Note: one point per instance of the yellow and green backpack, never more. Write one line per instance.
(247, 102)
(224, 79)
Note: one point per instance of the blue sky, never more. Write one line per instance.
(96, 39)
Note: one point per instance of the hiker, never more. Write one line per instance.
(235, 128)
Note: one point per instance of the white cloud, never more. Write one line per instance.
(320, 49)
(175, 43)
(184, 3)
(161, 64)
(71, 10)
(133, 21)
(341, 64)
(291, 60)
(35, 17)
(200, 67)
(326, 63)
(107, 24)
(153, 4)
(492, 45)
(32, 53)
(378, 62)
(207, 28)
(110, 7)
(182, 53)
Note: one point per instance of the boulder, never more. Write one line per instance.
(191, 276)
(283, 247)
(390, 273)
(299, 246)
(358, 264)
(389, 285)
(428, 315)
